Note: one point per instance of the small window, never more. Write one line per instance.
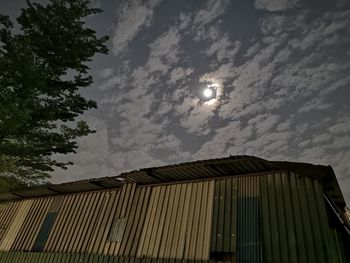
(117, 230)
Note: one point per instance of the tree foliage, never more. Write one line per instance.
(42, 69)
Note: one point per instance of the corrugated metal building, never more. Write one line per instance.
(236, 209)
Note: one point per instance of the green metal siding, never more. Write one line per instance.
(249, 225)
(295, 224)
(335, 247)
(224, 225)
(236, 219)
(277, 217)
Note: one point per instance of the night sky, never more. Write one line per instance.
(279, 71)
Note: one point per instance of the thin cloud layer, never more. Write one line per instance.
(131, 18)
(276, 5)
(278, 69)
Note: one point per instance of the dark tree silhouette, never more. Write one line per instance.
(42, 69)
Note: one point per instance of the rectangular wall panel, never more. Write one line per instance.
(224, 230)
(122, 209)
(295, 224)
(92, 199)
(43, 223)
(7, 215)
(44, 232)
(136, 222)
(56, 228)
(59, 225)
(249, 243)
(13, 229)
(81, 223)
(178, 222)
(32, 224)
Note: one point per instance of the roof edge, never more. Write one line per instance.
(241, 164)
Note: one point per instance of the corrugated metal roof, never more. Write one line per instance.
(64, 188)
(232, 165)
(229, 166)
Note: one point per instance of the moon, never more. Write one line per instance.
(208, 93)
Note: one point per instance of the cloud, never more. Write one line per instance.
(321, 138)
(307, 75)
(341, 127)
(164, 51)
(132, 17)
(95, 4)
(264, 122)
(220, 75)
(322, 32)
(236, 138)
(135, 159)
(106, 73)
(140, 137)
(275, 5)
(135, 135)
(217, 145)
(195, 115)
(91, 158)
(318, 154)
(221, 45)
(211, 11)
(280, 92)
(179, 73)
(315, 104)
(206, 17)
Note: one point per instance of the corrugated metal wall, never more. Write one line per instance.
(7, 214)
(224, 231)
(83, 221)
(23, 257)
(295, 224)
(172, 221)
(18, 217)
(178, 222)
(70, 223)
(279, 218)
(267, 218)
(236, 219)
(249, 244)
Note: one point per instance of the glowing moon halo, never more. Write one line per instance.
(208, 93)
